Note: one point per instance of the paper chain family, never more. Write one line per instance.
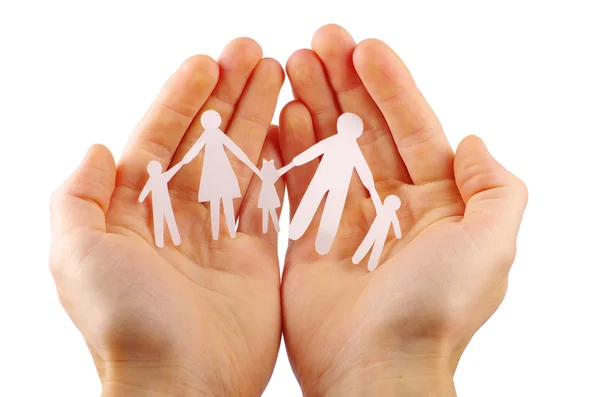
(340, 156)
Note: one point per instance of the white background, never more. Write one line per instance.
(524, 75)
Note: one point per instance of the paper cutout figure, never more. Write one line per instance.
(162, 209)
(378, 232)
(218, 182)
(341, 155)
(268, 199)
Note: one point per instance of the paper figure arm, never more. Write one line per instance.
(171, 173)
(145, 192)
(194, 151)
(283, 170)
(376, 200)
(396, 225)
(239, 153)
(311, 153)
(366, 177)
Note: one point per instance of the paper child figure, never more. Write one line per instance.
(218, 182)
(162, 209)
(378, 232)
(268, 199)
(341, 156)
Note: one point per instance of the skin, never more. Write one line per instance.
(199, 319)
(401, 329)
(205, 318)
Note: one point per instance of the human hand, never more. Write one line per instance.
(199, 319)
(401, 329)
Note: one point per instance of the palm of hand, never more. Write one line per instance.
(179, 304)
(438, 284)
(407, 297)
(209, 310)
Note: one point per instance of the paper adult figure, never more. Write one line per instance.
(378, 232)
(162, 209)
(218, 182)
(341, 155)
(268, 199)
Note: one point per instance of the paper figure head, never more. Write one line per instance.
(350, 125)
(154, 168)
(268, 170)
(210, 120)
(392, 202)
(268, 163)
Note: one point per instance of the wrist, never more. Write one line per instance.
(425, 378)
(154, 381)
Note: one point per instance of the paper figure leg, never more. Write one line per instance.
(172, 225)
(229, 216)
(159, 228)
(306, 210)
(364, 247)
(330, 221)
(265, 220)
(376, 253)
(215, 218)
(275, 219)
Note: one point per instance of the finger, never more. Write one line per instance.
(252, 117)
(296, 135)
(251, 216)
(160, 131)
(335, 48)
(310, 85)
(236, 63)
(495, 199)
(416, 130)
(82, 201)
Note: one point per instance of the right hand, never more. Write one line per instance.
(401, 329)
(199, 319)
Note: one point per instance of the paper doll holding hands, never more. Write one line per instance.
(218, 182)
(377, 234)
(162, 209)
(268, 199)
(341, 156)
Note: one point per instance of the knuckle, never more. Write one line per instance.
(508, 256)
(58, 258)
(56, 265)
(505, 254)
(524, 191)
(56, 197)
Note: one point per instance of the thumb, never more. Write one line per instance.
(495, 199)
(83, 199)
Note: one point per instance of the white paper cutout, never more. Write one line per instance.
(341, 155)
(162, 209)
(218, 182)
(377, 235)
(268, 199)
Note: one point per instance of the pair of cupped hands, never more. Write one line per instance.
(206, 318)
